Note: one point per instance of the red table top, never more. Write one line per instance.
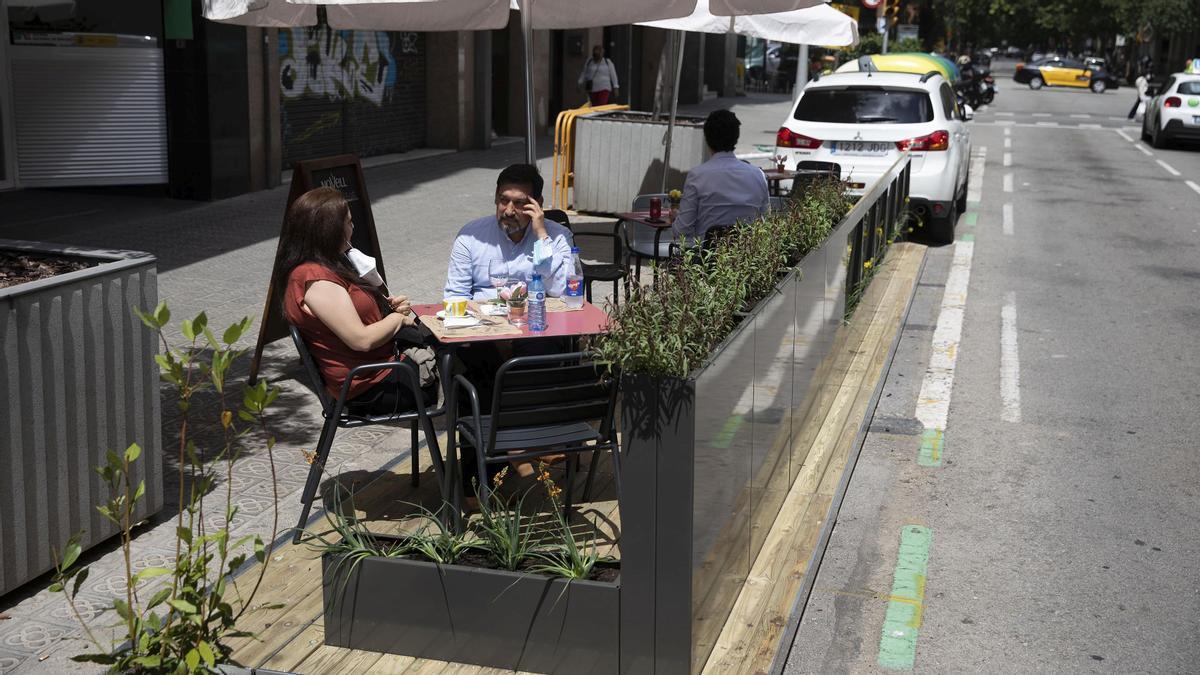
(772, 174)
(643, 217)
(591, 320)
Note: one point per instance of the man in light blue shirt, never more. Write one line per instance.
(517, 234)
(723, 190)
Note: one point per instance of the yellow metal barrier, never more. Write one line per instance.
(564, 150)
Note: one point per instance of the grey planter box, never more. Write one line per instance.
(708, 459)
(464, 614)
(619, 155)
(78, 378)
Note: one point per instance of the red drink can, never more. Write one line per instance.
(655, 208)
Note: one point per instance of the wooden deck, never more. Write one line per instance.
(292, 638)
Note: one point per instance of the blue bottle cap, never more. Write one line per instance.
(574, 249)
(536, 277)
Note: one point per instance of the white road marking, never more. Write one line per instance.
(1194, 187)
(1008, 219)
(1006, 114)
(1008, 182)
(1047, 124)
(1145, 152)
(975, 184)
(1082, 116)
(1170, 169)
(933, 403)
(1090, 126)
(1041, 114)
(1124, 135)
(1119, 119)
(1008, 159)
(1008, 131)
(1010, 364)
(1008, 143)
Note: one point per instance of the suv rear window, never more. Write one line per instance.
(1191, 88)
(864, 105)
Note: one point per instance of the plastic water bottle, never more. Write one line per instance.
(537, 304)
(573, 295)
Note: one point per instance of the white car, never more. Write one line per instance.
(863, 122)
(1174, 112)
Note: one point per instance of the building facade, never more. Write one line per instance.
(147, 92)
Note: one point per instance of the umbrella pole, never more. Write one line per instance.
(674, 109)
(801, 71)
(527, 40)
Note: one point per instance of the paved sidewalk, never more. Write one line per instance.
(216, 257)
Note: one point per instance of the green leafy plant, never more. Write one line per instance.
(183, 626)
(504, 533)
(563, 556)
(670, 328)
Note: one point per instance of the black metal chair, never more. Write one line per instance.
(544, 405)
(613, 272)
(340, 413)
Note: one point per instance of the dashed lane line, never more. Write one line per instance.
(1143, 149)
(1195, 188)
(1008, 159)
(1008, 219)
(1007, 143)
(933, 401)
(1010, 364)
(1122, 134)
(1008, 182)
(1169, 169)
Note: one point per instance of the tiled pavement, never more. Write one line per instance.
(215, 257)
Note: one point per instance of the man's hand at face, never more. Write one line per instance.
(536, 217)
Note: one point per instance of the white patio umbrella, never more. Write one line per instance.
(815, 23)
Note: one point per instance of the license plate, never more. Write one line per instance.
(861, 148)
(1195, 119)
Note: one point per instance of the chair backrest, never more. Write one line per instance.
(642, 202)
(555, 389)
(559, 216)
(310, 366)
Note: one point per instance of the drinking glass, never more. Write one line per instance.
(518, 312)
(498, 273)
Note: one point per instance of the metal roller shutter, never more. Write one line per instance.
(89, 115)
(351, 91)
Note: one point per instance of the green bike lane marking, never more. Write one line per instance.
(930, 454)
(906, 604)
(971, 218)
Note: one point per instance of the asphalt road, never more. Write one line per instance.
(1058, 530)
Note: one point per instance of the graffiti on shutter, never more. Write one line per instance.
(351, 91)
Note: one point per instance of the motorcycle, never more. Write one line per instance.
(978, 90)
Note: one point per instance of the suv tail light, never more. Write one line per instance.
(786, 138)
(1020, 66)
(938, 140)
(1172, 102)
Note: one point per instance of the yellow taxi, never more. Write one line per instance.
(1059, 72)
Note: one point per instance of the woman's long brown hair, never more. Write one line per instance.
(314, 231)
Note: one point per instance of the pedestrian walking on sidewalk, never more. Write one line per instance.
(599, 78)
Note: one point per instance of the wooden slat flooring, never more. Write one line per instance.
(292, 638)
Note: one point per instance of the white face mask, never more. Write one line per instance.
(365, 266)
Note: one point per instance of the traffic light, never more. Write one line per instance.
(891, 12)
